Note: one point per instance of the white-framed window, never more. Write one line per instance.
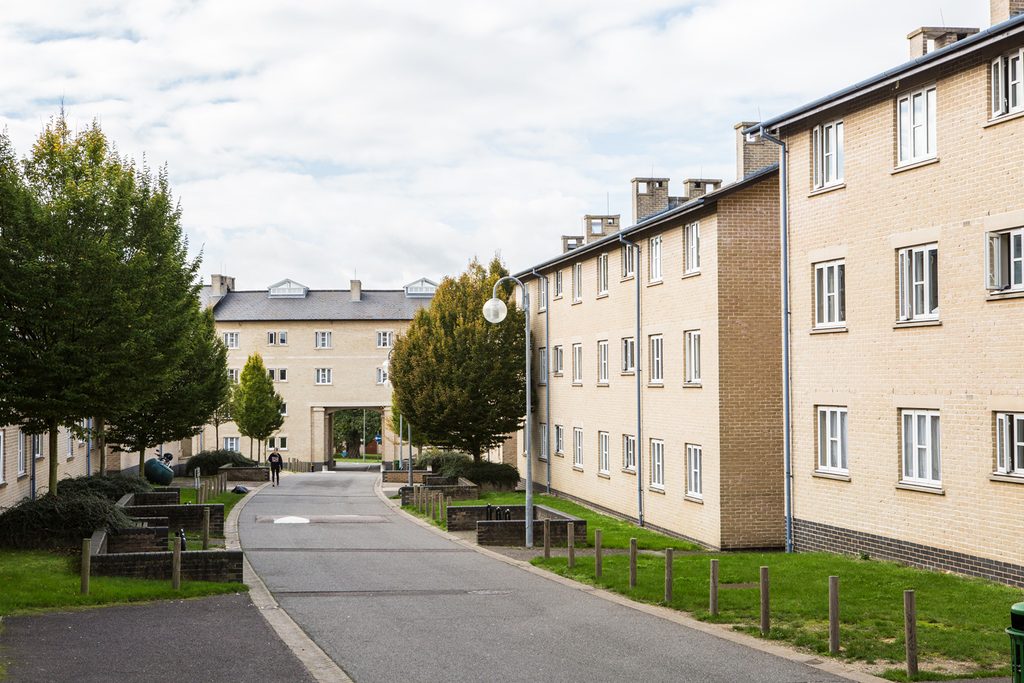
(233, 374)
(628, 354)
(279, 443)
(37, 446)
(385, 338)
(694, 483)
(22, 456)
(915, 114)
(832, 444)
(2, 460)
(577, 363)
(628, 259)
(231, 340)
(919, 282)
(558, 284)
(602, 274)
(657, 464)
(278, 374)
(284, 409)
(922, 454)
(542, 365)
(277, 338)
(830, 294)
(577, 282)
(559, 439)
(577, 447)
(322, 339)
(657, 345)
(654, 265)
(544, 441)
(1004, 260)
(71, 444)
(691, 243)
(1010, 443)
(231, 443)
(382, 376)
(542, 294)
(1008, 83)
(828, 154)
(691, 356)
(628, 452)
(558, 360)
(322, 375)
(602, 361)
(603, 452)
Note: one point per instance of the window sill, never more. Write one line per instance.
(656, 489)
(24, 475)
(693, 499)
(604, 475)
(627, 373)
(559, 455)
(602, 295)
(821, 474)
(626, 278)
(558, 374)
(1006, 478)
(655, 385)
(577, 384)
(914, 164)
(602, 384)
(3, 484)
(693, 385)
(687, 276)
(917, 323)
(1003, 119)
(921, 488)
(629, 470)
(577, 468)
(655, 283)
(557, 297)
(829, 330)
(1005, 294)
(577, 302)
(826, 189)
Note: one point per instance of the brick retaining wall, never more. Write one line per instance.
(402, 476)
(157, 498)
(513, 531)
(143, 539)
(246, 473)
(188, 517)
(463, 490)
(196, 565)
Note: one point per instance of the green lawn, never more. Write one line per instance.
(227, 499)
(366, 458)
(37, 581)
(960, 620)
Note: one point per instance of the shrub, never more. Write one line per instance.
(209, 462)
(111, 487)
(438, 460)
(59, 521)
(481, 473)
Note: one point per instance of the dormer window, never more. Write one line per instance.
(422, 288)
(287, 289)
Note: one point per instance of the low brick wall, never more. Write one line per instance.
(188, 517)
(143, 539)
(513, 531)
(464, 489)
(246, 473)
(402, 476)
(196, 565)
(157, 498)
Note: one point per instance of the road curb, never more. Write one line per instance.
(833, 667)
(310, 655)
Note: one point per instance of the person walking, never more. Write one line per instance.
(276, 462)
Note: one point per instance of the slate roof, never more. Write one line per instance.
(324, 304)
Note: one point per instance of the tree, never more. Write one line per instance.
(458, 378)
(223, 412)
(349, 426)
(257, 406)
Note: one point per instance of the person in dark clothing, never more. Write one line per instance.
(276, 462)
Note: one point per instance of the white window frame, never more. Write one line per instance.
(916, 129)
(603, 452)
(22, 454)
(577, 447)
(691, 357)
(542, 365)
(37, 446)
(382, 375)
(3, 462)
(233, 374)
(323, 376)
(913, 280)
(654, 273)
(694, 471)
(385, 339)
(544, 441)
(830, 294)
(833, 442)
(236, 441)
(322, 339)
(602, 274)
(628, 260)
(657, 464)
(231, 340)
(1010, 444)
(1007, 82)
(656, 343)
(558, 284)
(277, 338)
(628, 355)
(577, 363)
(71, 444)
(559, 439)
(602, 361)
(558, 360)
(542, 293)
(629, 452)
(922, 457)
(1004, 260)
(828, 144)
(577, 282)
(691, 248)
(284, 409)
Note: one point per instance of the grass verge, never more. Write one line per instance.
(365, 458)
(227, 499)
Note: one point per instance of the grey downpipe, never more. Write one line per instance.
(547, 376)
(636, 369)
(787, 446)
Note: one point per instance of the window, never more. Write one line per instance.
(628, 261)
(657, 362)
(1004, 260)
(828, 154)
(602, 274)
(542, 294)
(382, 376)
(602, 362)
(577, 447)
(385, 339)
(1008, 83)
(323, 375)
(694, 485)
(279, 443)
(284, 409)
(71, 445)
(322, 339)
(691, 242)
(577, 282)
(233, 374)
(830, 294)
(657, 464)
(558, 284)
(231, 443)
(2, 456)
(542, 366)
(278, 338)
(577, 363)
(832, 449)
(919, 282)
(654, 267)
(559, 361)
(628, 354)
(691, 356)
(543, 441)
(603, 448)
(559, 439)
(628, 452)
(1010, 443)
(278, 374)
(21, 453)
(231, 340)
(921, 452)
(37, 446)
(916, 123)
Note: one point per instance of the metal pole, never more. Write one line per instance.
(547, 378)
(401, 435)
(362, 445)
(408, 427)
(637, 365)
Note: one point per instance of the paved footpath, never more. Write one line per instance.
(390, 600)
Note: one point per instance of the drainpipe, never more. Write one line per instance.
(547, 376)
(787, 447)
(637, 365)
(88, 448)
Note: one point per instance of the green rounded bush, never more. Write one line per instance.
(59, 522)
(438, 460)
(111, 487)
(209, 462)
(496, 474)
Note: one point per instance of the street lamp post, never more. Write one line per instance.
(403, 427)
(495, 311)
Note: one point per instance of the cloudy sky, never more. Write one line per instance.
(322, 139)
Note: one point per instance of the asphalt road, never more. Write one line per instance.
(389, 600)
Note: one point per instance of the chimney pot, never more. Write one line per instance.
(1004, 10)
(597, 226)
(650, 196)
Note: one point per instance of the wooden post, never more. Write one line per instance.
(632, 563)
(713, 595)
(833, 615)
(86, 562)
(199, 492)
(176, 564)
(206, 528)
(547, 539)
(570, 531)
(668, 574)
(910, 628)
(598, 552)
(765, 615)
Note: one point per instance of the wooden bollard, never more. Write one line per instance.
(86, 563)
(206, 528)
(199, 492)
(570, 537)
(910, 629)
(833, 615)
(447, 504)
(598, 554)
(765, 607)
(632, 563)
(176, 564)
(668, 574)
(713, 594)
(547, 539)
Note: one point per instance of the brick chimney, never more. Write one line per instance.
(650, 196)
(595, 227)
(356, 290)
(570, 242)
(1003, 10)
(221, 285)
(698, 187)
(752, 154)
(931, 38)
